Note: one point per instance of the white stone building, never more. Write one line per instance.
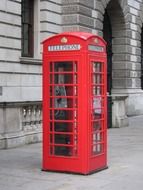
(24, 24)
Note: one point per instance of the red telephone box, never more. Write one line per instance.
(74, 103)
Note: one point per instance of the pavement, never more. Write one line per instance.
(20, 168)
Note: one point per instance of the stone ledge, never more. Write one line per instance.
(29, 60)
(13, 140)
(18, 104)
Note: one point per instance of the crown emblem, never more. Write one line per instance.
(64, 40)
(96, 40)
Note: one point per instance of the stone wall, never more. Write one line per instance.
(126, 18)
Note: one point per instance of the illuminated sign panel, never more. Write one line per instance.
(71, 47)
(96, 48)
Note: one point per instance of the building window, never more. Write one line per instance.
(27, 28)
(142, 59)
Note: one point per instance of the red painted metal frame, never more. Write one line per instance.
(88, 139)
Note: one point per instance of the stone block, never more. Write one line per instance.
(118, 83)
(134, 3)
(10, 94)
(119, 49)
(3, 5)
(97, 32)
(126, 83)
(59, 2)
(31, 93)
(135, 58)
(133, 27)
(12, 120)
(33, 137)
(87, 3)
(2, 121)
(120, 73)
(21, 94)
(133, 83)
(136, 43)
(97, 14)
(98, 24)
(71, 9)
(21, 68)
(10, 43)
(134, 74)
(126, 65)
(70, 19)
(13, 7)
(48, 17)
(119, 115)
(2, 142)
(10, 30)
(45, 26)
(77, 28)
(119, 33)
(13, 140)
(104, 3)
(10, 55)
(10, 18)
(99, 6)
(50, 6)
(86, 21)
(134, 104)
(31, 80)
(120, 41)
(81, 2)
(67, 2)
(135, 35)
(120, 57)
(126, 74)
(78, 19)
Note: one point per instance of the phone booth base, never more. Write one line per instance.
(74, 103)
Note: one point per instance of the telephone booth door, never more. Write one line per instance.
(74, 103)
(63, 108)
(98, 116)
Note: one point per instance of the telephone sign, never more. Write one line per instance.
(74, 103)
(71, 47)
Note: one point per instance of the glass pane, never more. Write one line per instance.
(97, 149)
(97, 67)
(97, 78)
(96, 125)
(63, 66)
(63, 151)
(65, 79)
(25, 47)
(63, 127)
(63, 115)
(97, 90)
(62, 139)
